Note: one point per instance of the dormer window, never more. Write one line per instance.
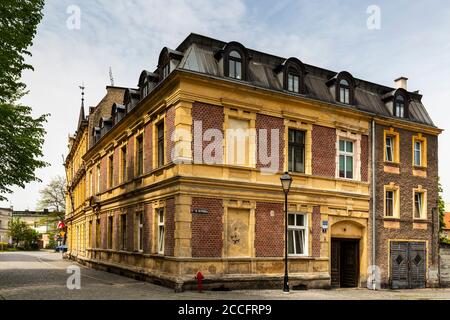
(293, 81)
(344, 91)
(235, 65)
(165, 71)
(399, 107)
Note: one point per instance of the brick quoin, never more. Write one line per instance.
(148, 152)
(207, 228)
(212, 117)
(169, 241)
(116, 228)
(269, 231)
(315, 231)
(323, 151)
(169, 128)
(364, 158)
(268, 123)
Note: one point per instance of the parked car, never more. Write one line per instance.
(62, 248)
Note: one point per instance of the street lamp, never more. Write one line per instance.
(286, 181)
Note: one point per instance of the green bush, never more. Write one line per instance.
(3, 246)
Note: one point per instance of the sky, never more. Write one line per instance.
(78, 41)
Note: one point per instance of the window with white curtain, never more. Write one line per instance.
(297, 234)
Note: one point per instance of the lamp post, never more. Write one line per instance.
(286, 181)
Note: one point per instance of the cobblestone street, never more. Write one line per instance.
(43, 275)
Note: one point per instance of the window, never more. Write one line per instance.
(344, 91)
(420, 203)
(140, 231)
(97, 234)
(160, 129)
(417, 153)
(296, 151)
(389, 149)
(399, 108)
(91, 184)
(346, 159)
(293, 81)
(123, 232)
(111, 171)
(140, 155)
(165, 71)
(98, 178)
(90, 234)
(297, 236)
(161, 231)
(389, 203)
(110, 232)
(124, 163)
(235, 65)
(238, 142)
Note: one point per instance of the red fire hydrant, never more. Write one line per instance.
(199, 278)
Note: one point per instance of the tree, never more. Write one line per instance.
(21, 233)
(21, 135)
(53, 197)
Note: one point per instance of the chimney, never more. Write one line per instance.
(401, 83)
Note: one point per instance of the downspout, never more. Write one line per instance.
(374, 278)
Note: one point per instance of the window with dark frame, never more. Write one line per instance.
(235, 65)
(399, 109)
(344, 91)
(296, 151)
(124, 163)
(123, 232)
(418, 205)
(140, 155)
(97, 234)
(110, 232)
(111, 171)
(160, 129)
(166, 71)
(389, 203)
(90, 234)
(293, 81)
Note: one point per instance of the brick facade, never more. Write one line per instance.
(148, 148)
(148, 228)
(315, 231)
(169, 240)
(269, 123)
(365, 158)
(169, 130)
(269, 230)
(407, 182)
(130, 158)
(211, 117)
(207, 229)
(323, 151)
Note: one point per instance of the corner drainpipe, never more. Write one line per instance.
(374, 226)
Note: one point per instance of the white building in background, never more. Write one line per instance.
(5, 217)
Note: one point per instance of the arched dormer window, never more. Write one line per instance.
(235, 65)
(344, 91)
(235, 61)
(292, 75)
(401, 104)
(147, 81)
(168, 61)
(345, 88)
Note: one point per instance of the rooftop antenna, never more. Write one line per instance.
(111, 78)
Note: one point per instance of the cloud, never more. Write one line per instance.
(128, 36)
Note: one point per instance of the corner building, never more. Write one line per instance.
(165, 191)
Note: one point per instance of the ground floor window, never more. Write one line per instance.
(297, 234)
(123, 232)
(97, 234)
(140, 231)
(161, 231)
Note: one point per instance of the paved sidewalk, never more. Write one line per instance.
(42, 275)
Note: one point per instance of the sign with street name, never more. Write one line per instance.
(200, 211)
